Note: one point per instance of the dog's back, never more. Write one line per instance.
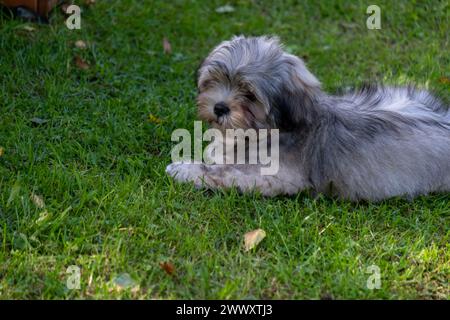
(407, 100)
(383, 142)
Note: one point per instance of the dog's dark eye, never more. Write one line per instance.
(206, 84)
(250, 96)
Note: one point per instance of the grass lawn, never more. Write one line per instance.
(93, 146)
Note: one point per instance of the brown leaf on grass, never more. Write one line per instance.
(168, 267)
(2, 151)
(80, 44)
(81, 64)
(89, 2)
(37, 200)
(445, 80)
(167, 46)
(253, 238)
(154, 119)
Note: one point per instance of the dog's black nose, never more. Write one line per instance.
(220, 109)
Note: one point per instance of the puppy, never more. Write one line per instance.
(373, 143)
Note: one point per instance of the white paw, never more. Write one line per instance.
(185, 172)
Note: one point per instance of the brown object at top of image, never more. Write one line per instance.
(42, 7)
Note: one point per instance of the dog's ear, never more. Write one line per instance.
(293, 105)
(301, 77)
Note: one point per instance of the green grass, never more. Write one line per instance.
(98, 162)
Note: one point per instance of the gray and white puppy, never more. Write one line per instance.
(373, 143)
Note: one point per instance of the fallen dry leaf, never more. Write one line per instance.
(2, 151)
(28, 28)
(154, 119)
(444, 80)
(81, 64)
(167, 46)
(37, 200)
(253, 238)
(80, 44)
(89, 2)
(124, 281)
(225, 9)
(37, 120)
(168, 267)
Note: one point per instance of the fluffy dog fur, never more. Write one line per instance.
(372, 143)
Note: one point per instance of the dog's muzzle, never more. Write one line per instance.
(221, 109)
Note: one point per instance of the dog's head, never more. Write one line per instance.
(252, 83)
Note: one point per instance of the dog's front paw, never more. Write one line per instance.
(178, 170)
(185, 172)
